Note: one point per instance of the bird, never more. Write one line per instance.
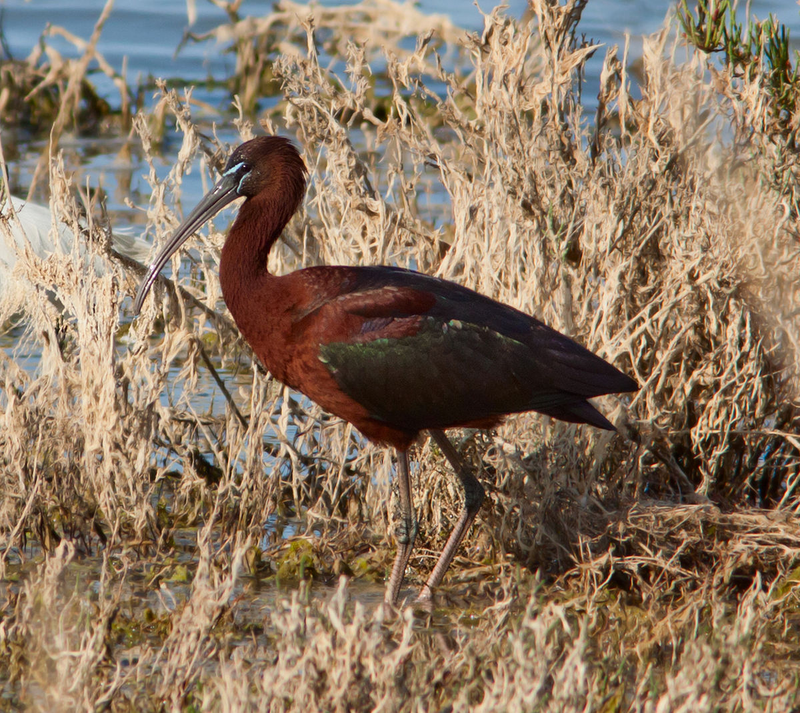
(32, 227)
(392, 351)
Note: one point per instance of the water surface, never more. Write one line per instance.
(143, 38)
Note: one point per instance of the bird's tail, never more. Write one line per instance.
(579, 412)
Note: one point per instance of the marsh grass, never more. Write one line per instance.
(653, 570)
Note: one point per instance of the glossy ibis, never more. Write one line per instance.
(392, 351)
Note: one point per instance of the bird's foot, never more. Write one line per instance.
(424, 600)
(389, 611)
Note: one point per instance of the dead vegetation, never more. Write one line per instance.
(48, 87)
(606, 572)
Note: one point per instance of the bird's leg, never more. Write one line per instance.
(406, 531)
(473, 498)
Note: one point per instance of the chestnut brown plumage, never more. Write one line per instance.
(392, 351)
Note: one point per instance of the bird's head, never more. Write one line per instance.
(266, 168)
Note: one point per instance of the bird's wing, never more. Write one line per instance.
(425, 353)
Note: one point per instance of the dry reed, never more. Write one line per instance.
(647, 236)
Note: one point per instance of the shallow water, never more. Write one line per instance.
(144, 38)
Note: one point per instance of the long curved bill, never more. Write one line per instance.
(224, 192)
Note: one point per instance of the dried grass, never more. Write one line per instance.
(52, 92)
(649, 239)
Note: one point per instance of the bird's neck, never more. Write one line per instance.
(243, 273)
(243, 263)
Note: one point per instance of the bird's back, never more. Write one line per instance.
(425, 353)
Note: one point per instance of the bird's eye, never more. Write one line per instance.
(240, 170)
